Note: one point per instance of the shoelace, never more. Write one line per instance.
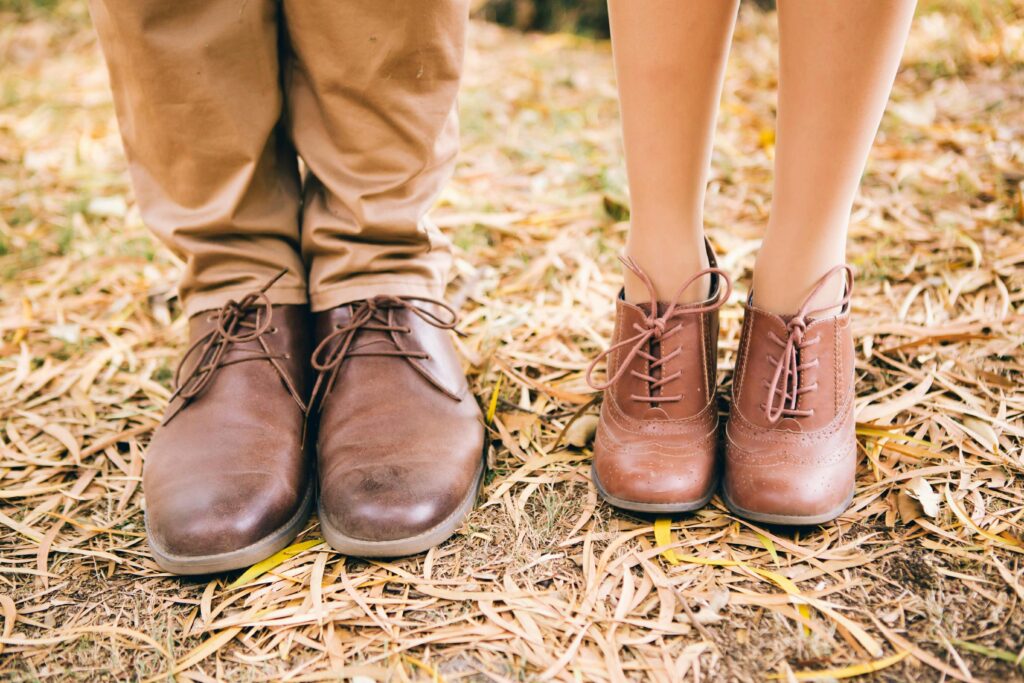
(376, 314)
(655, 329)
(237, 322)
(784, 390)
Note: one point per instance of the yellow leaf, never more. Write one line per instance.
(264, 566)
(492, 406)
(710, 563)
(858, 632)
(426, 668)
(778, 579)
(863, 430)
(786, 585)
(846, 671)
(969, 523)
(770, 547)
(207, 648)
(663, 537)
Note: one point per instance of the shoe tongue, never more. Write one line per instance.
(645, 309)
(368, 337)
(237, 349)
(663, 307)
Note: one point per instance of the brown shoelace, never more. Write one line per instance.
(376, 314)
(785, 389)
(654, 330)
(237, 322)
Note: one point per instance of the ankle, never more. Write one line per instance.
(668, 270)
(782, 285)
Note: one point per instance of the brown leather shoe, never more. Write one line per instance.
(401, 437)
(226, 478)
(791, 451)
(657, 439)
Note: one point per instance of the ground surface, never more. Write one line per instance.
(924, 575)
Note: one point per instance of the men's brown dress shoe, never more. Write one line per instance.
(401, 437)
(227, 480)
(657, 438)
(791, 451)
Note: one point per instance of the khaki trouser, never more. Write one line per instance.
(217, 99)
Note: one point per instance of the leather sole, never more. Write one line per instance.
(787, 520)
(638, 506)
(192, 565)
(411, 545)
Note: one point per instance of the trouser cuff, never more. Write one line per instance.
(367, 287)
(207, 301)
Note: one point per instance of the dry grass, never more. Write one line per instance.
(925, 572)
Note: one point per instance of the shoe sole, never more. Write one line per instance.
(411, 545)
(638, 506)
(194, 565)
(787, 520)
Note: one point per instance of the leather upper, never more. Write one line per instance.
(227, 467)
(662, 453)
(400, 436)
(802, 462)
(657, 437)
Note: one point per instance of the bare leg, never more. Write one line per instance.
(670, 60)
(838, 60)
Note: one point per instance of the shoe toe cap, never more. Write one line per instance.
(789, 489)
(391, 502)
(216, 515)
(650, 475)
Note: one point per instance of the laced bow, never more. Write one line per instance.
(785, 388)
(376, 314)
(655, 329)
(236, 322)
